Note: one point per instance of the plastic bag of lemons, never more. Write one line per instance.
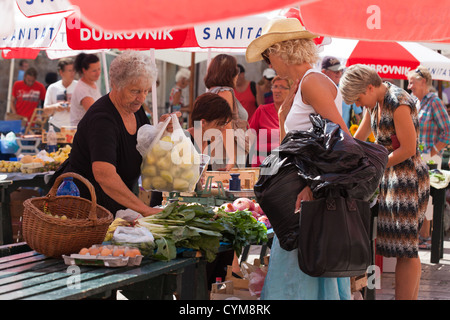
(170, 162)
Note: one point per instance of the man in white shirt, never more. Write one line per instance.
(57, 99)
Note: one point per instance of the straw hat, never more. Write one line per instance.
(276, 31)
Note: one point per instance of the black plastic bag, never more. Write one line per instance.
(276, 192)
(326, 156)
(321, 157)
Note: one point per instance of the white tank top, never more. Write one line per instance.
(298, 116)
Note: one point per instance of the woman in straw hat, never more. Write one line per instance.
(289, 49)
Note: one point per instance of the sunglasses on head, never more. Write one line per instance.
(420, 73)
(265, 57)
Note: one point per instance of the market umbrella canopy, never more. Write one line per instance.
(20, 53)
(392, 60)
(381, 20)
(122, 16)
(240, 32)
(82, 36)
(32, 26)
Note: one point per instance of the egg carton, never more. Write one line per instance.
(102, 261)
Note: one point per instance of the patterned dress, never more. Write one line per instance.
(405, 187)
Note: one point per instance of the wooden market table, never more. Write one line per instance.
(29, 275)
(11, 183)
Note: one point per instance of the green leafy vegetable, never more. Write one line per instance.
(184, 226)
(437, 174)
(196, 227)
(241, 229)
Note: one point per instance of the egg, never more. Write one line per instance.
(106, 252)
(84, 251)
(118, 252)
(132, 253)
(94, 251)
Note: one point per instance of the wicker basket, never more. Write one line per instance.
(86, 223)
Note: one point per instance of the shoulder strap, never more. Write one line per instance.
(253, 87)
(216, 90)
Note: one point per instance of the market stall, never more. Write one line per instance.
(185, 237)
(43, 278)
(30, 171)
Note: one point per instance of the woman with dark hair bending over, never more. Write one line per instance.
(86, 92)
(211, 115)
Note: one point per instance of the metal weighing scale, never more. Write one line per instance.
(207, 197)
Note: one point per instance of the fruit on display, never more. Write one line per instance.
(113, 226)
(228, 207)
(46, 210)
(246, 204)
(171, 166)
(241, 227)
(41, 162)
(10, 166)
(61, 154)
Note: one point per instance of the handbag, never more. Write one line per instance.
(334, 237)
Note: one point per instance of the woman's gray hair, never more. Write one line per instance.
(182, 73)
(296, 51)
(355, 81)
(129, 66)
(421, 72)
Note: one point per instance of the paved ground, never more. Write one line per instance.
(435, 280)
(434, 284)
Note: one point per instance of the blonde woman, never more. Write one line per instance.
(391, 115)
(288, 48)
(434, 134)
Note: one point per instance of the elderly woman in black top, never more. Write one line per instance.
(104, 147)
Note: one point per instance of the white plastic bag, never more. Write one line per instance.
(148, 134)
(138, 237)
(170, 163)
(256, 276)
(128, 215)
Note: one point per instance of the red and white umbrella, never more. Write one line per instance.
(125, 16)
(238, 33)
(32, 26)
(379, 20)
(392, 60)
(226, 34)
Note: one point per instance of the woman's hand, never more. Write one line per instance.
(165, 116)
(304, 195)
(150, 211)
